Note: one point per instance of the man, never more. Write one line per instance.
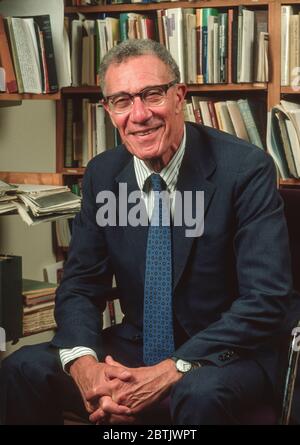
(230, 285)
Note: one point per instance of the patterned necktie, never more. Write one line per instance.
(158, 317)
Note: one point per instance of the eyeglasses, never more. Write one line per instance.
(151, 97)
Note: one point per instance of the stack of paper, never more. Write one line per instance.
(284, 138)
(7, 197)
(46, 203)
(39, 203)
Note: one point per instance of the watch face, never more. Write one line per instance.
(183, 366)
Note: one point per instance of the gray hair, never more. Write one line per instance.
(134, 48)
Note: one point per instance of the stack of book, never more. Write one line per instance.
(38, 306)
(41, 203)
(27, 54)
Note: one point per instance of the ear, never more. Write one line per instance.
(180, 95)
(106, 107)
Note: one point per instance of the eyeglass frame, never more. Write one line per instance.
(165, 87)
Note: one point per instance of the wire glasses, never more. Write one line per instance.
(151, 96)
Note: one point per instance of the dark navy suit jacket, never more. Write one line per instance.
(232, 285)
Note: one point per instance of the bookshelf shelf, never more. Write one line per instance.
(291, 2)
(27, 96)
(165, 5)
(73, 171)
(191, 88)
(228, 87)
(290, 90)
(289, 182)
(32, 178)
(81, 90)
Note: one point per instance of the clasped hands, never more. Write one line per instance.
(115, 394)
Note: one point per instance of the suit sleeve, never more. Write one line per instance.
(263, 269)
(87, 280)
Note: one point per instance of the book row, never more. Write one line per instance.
(210, 45)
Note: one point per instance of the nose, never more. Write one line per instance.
(139, 112)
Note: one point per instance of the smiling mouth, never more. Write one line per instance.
(145, 132)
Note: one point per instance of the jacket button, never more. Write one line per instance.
(136, 337)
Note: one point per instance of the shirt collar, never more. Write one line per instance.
(169, 173)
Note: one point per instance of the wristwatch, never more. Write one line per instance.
(185, 366)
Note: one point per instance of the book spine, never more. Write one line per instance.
(250, 123)
(45, 27)
(15, 55)
(6, 60)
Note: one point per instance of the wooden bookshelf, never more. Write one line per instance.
(290, 90)
(270, 92)
(289, 182)
(193, 88)
(32, 178)
(139, 7)
(73, 171)
(28, 96)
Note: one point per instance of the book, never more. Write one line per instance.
(250, 122)
(237, 119)
(36, 287)
(274, 146)
(25, 56)
(286, 12)
(53, 272)
(44, 24)
(38, 318)
(6, 60)
(2, 79)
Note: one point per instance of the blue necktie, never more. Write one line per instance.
(158, 318)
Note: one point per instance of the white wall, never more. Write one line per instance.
(27, 137)
(27, 143)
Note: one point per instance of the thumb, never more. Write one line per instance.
(110, 361)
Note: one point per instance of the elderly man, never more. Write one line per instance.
(202, 312)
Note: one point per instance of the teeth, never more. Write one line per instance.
(145, 133)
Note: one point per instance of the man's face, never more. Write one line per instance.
(148, 132)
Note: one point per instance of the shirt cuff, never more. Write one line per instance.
(68, 355)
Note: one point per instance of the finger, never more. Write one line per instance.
(92, 396)
(114, 372)
(92, 404)
(111, 407)
(98, 417)
(120, 420)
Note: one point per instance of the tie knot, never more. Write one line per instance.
(158, 184)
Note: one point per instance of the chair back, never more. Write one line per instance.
(291, 198)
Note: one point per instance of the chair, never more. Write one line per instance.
(291, 198)
(268, 414)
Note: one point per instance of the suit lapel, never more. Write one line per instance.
(136, 236)
(197, 165)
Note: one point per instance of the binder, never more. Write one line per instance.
(11, 307)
